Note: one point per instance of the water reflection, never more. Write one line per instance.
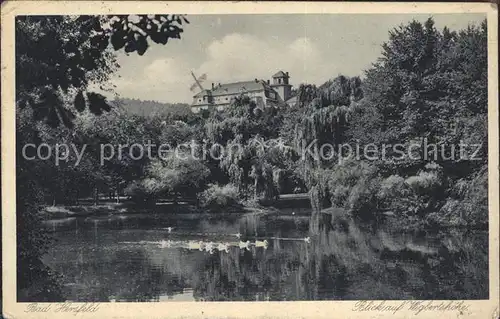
(264, 258)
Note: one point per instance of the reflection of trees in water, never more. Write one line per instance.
(460, 269)
(342, 261)
(269, 225)
(251, 224)
(359, 264)
(345, 262)
(257, 274)
(120, 275)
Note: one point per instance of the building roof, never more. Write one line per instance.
(202, 93)
(238, 87)
(280, 74)
(292, 101)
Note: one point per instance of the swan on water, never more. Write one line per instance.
(165, 243)
(223, 247)
(244, 244)
(209, 247)
(195, 245)
(259, 243)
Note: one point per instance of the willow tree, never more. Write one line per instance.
(323, 118)
(247, 134)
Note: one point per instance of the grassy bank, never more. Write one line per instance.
(182, 209)
(286, 205)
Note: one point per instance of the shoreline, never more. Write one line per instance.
(183, 211)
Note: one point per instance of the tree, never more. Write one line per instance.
(170, 177)
(252, 159)
(58, 57)
(57, 60)
(430, 87)
(427, 85)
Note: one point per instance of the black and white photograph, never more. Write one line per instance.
(177, 157)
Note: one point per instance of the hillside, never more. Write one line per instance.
(151, 108)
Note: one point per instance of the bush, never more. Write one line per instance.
(391, 187)
(362, 202)
(424, 183)
(144, 191)
(470, 205)
(216, 196)
(344, 177)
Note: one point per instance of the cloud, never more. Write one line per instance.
(239, 57)
(235, 57)
(164, 79)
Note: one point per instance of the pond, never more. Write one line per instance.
(260, 257)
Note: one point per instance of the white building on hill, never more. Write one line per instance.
(263, 93)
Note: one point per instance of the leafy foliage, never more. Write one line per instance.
(59, 58)
(428, 85)
(60, 63)
(169, 178)
(154, 109)
(132, 32)
(219, 197)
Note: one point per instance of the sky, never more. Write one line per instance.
(313, 48)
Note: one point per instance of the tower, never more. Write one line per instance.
(281, 85)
